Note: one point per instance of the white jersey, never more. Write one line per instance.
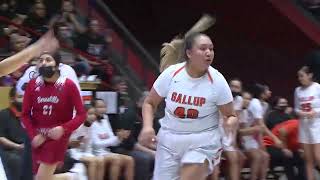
(32, 72)
(248, 118)
(307, 99)
(103, 137)
(256, 110)
(191, 103)
(237, 103)
(83, 133)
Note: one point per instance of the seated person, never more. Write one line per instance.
(278, 113)
(12, 136)
(289, 155)
(143, 156)
(81, 149)
(103, 138)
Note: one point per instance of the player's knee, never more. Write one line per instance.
(265, 156)
(130, 161)
(317, 157)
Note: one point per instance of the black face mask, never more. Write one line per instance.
(282, 108)
(46, 71)
(234, 94)
(17, 105)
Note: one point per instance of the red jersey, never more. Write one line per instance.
(47, 105)
(291, 127)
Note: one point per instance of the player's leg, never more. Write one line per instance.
(255, 162)
(45, 171)
(265, 159)
(127, 163)
(316, 153)
(233, 164)
(197, 171)
(114, 162)
(92, 167)
(309, 160)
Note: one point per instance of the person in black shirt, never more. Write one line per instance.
(278, 113)
(143, 156)
(92, 42)
(12, 136)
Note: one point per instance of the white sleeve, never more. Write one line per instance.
(237, 103)
(25, 78)
(68, 72)
(224, 92)
(317, 108)
(296, 101)
(162, 83)
(256, 109)
(112, 140)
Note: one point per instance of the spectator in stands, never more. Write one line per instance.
(277, 114)
(68, 15)
(37, 20)
(4, 10)
(17, 44)
(103, 138)
(12, 136)
(64, 34)
(143, 156)
(93, 42)
(230, 150)
(289, 155)
(81, 147)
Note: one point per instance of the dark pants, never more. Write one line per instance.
(12, 160)
(289, 163)
(144, 163)
(26, 172)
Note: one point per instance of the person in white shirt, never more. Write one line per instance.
(307, 107)
(248, 132)
(103, 138)
(81, 147)
(32, 72)
(189, 141)
(253, 143)
(233, 156)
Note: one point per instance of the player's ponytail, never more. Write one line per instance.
(174, 52)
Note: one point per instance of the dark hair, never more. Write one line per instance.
(275, 101)
(257, 89)
(12, 92)
(235, 79)
(94, 101)
(306, 69)
(56, 56)
(189, 42)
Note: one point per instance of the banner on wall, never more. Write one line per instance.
(86, 97)
(111, 100)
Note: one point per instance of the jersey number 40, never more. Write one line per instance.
(182, 113)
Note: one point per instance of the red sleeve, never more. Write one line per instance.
(81, 114)
(26, 111)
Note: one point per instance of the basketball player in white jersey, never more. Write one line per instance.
(307, 107)
(231, 152)
(189, 141)
(253, 143)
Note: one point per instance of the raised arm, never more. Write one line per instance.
(47, 43)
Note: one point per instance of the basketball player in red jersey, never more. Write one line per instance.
(48, 107)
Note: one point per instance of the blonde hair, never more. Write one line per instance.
(172, 53)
